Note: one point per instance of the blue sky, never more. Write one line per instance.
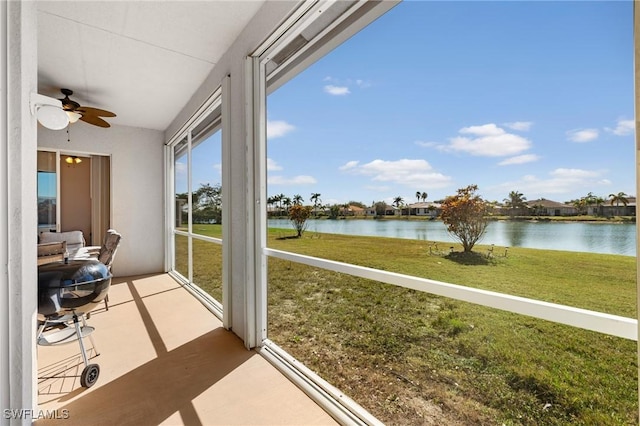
(434, 96)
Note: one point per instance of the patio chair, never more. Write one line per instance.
(75, 239)
(104, 253)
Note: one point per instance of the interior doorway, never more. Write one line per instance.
(74, 193)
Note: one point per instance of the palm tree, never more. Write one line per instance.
(418, 195)
(270, 202)
(579, 204)
(424, 196)
(297, 200)
(398, 202)
(599, 202)
(345, 209)
(516, 200)
(287, 202)
(315, 199)
(618, 198)
(277, 199)
(590, 200)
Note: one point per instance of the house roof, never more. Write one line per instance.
(424, 205)
(631, 201)
(548, 204)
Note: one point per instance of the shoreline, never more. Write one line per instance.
(534, 219)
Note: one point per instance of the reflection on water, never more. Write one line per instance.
(612, 238)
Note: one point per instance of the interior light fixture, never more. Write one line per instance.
(51, 117)
(49, 112)
(73, 160)
(73, 116)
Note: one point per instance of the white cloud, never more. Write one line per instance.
(559, 181)
(413, 173)
(489, 141)
(336, 90)
(181, 168)
(519, 125)
(363, 84)
(296, 180)
(574, 173)
(349, 165)
(272, 165)
(278, 128)
(583, 135)
(623, 127)
(426, 144)
(483, 130)
(519, 159)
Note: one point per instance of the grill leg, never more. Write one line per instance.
(95, 349)
(41, 329)
(76, 323)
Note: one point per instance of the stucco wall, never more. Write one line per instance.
(137, 183)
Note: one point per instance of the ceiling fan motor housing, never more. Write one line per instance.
(87, 114)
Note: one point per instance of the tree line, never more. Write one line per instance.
(465, 214)
(516, 200)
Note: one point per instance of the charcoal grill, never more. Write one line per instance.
(66, 292)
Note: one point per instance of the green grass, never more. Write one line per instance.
(207, 260)
(407, 356)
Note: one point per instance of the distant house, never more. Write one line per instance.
(353, 211)
(389, 210)
(425, 209)
(609, 210)
(544, 207)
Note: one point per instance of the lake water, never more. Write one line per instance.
(598, 237)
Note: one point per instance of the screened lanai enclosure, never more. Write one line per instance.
(217, 109)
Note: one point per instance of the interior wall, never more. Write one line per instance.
(137, 188)
(75, 197)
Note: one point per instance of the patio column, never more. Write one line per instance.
(18, 212)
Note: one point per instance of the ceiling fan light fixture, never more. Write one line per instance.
(52, 117)
(48, 112)
(73, 116)
(73, 159)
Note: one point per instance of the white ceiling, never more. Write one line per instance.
(143, 60)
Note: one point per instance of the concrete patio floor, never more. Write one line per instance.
(165, 359)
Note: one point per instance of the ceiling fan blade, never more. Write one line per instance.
(96, 121)
(95, 111)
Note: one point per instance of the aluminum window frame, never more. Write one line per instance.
(218, 103)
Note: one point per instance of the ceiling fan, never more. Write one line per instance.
(87, 114)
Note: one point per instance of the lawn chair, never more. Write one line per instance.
(106, 253)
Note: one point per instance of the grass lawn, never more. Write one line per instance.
(408, 356)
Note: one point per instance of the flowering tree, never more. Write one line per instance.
(298, 216)
(465, 215)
